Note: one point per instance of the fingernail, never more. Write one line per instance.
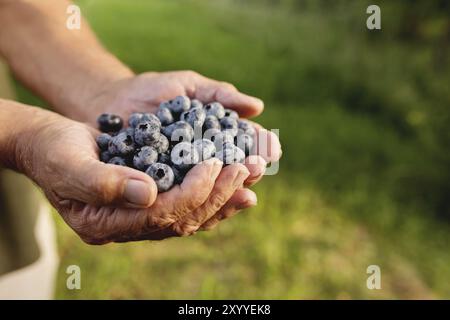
(240, 178)
(137, 192)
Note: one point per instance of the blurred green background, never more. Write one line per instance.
(365, 176)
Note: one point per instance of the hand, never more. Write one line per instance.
(144, 92)
(105, 203)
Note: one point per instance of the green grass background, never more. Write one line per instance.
(364, 177)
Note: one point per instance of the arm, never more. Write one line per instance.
(65, 67)
(104, 202)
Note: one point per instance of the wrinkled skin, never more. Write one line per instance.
(89, 194)
(143, 93)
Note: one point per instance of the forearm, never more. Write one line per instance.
(18, 121)
(65, 67)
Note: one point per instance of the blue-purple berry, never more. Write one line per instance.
(144, 158)
(194, 116)
(230, 125)
(162, 174)
(165, 116)
(184, 156)
(108, 122)
(147, 133)
(205, 148)
(215, 109)
(180, 104)
(121, 144)
(118, 161)
(103, 141)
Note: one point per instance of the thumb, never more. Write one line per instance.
(106, 184)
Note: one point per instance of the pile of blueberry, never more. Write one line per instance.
(167, 145)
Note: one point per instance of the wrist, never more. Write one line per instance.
(20, 126)
(80, 98)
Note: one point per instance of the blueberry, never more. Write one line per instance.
(118, 161)
(162, 174)
(196, 104)
(165, 158)
(194, 116)
(244, 142)
(211, 122)
(147, 133)
(109, 122)
(221, 138)
(231, 113)
(205, 148)
(122, 144)
(184, 156)
(215, 109)
(105, 156)
(144, 158)
(180, 104)
(150, 117)
(134, 119)
(164, 104)
(103, 141)
(162, 145)
(230, 154)
(128, 130)
(179, 175)
(165, 116)
(246, 128)
(211, 134)
(230, 125)
(178, 132)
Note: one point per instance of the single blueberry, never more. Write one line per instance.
(230, 154)
(165, 158)
(144, 158)
(122, 144)
(194, 116)
(180, 104)
(205, 148)
(147, 133)
(196, 104)
(232, 114)
(103, 141)
(150, 117)
(221, 138)
(105, 156)
(230, 125)
(109, 122)
(211, 122)
(165, 116)
(215, 109)
(119, 161)
(246, 127)
(162, 174)
(134, 119)
(164, 104)
(178, 132)
(162, 145)
(244, 142)
(179, 175)
(184, 156)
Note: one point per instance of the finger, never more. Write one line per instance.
(225, 93)
(242, 199)
(91, 181)
(181, 200)
(256, 165)
(230, 179)
(266, 144)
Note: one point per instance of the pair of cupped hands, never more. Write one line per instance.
(106, 203)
